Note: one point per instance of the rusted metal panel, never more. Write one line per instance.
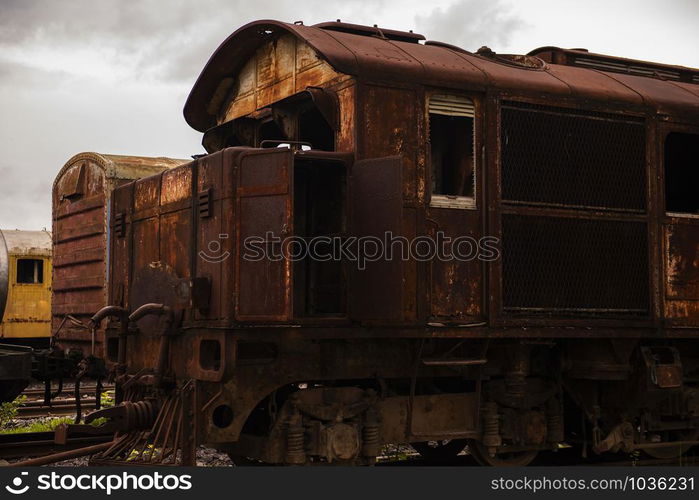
(387, 119)
(211, 235)
(347, 96)
(682, 271)
(278, 69)
(81, 196)
(404, 61)
(455, 286)
(376, 292)
(264, 209)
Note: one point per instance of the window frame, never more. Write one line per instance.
(40, 266)
(445, 200)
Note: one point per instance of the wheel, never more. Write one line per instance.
(440, 450)
(674, 451)
(503, 459)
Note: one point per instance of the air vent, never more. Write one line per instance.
(205, 203)
(358, 29)
(584, 59)
(120, 225)
(620, 67)
(451, 106)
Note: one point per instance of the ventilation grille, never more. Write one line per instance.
(451, 106)
(629, 69)
(569, 266)
(568, 158)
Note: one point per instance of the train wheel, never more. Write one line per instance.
(440, 450)
(504, 459)
(674, 451)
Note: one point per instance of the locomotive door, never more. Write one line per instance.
(264, 219)
(377, 285)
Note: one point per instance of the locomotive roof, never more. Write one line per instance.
(381, 54)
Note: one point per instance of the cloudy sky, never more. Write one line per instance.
(112, 75)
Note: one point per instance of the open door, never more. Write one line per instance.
(376, 285)
(264, 220)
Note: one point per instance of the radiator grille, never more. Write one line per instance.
(557, 157)
(571, 266)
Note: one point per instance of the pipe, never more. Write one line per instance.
(64, 455)
(123, 315)
(160, 310)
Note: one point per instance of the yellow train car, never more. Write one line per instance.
(25, 287)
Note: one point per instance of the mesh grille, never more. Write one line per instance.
(567, 266)
(556, 157)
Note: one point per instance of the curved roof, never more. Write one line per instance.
(121, 166)
(382, 54)
(20, 242)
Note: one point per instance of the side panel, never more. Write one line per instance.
(212, 257)
(376, 286)
(79, 247)
(455, 285)
(389, 123)
(264, 215)
(682, 271)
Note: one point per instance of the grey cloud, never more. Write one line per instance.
(159, 40)
(471, 24)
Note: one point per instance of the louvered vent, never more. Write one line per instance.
(452, 105)
(631, 69)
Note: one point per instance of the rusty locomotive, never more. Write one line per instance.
(582, 328)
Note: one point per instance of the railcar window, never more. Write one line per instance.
(30, 271)
(451, 144)
(682, 173)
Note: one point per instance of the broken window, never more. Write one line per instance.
(269, 130)
(30, 271)
(682, 173)
(314, 129)
(451, 146)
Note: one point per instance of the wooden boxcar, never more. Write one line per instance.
(575, 319)
(81, 193)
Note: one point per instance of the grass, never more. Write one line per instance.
(47, 425)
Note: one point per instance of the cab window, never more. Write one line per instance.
(30, 271)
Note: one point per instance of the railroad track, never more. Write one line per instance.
(564, 457)
(34, 444)
(62, 405)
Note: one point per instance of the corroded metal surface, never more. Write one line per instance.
(590, 297)
(81, 194)
(431, 64)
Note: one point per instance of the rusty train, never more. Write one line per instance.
(582, 330)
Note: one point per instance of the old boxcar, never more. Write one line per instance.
(574, 173)
(81, 193)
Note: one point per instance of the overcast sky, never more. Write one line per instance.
(112, 76)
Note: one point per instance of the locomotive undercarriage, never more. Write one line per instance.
(338, 401)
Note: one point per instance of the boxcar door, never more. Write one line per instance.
(264, 220)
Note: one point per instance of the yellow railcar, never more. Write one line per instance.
(25, 286)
